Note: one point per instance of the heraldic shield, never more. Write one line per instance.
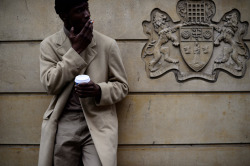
(195, 47)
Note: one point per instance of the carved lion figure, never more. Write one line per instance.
(231, 33)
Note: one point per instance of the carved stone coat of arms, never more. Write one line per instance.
(195, 47)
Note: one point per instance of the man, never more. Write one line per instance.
(80, 125)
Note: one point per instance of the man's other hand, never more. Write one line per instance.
(89, 89)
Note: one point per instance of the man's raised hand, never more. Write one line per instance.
(81, 41)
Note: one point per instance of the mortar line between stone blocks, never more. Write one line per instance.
(19, 145)
(118, 40)
(183, 145)
(20, 41)
(39, 40)
(143, 93)
(151, 145)
(188, 93)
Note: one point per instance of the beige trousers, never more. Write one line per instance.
(74, 145)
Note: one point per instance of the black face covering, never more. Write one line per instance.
(65, 5)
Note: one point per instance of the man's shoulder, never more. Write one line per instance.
(101, 38)
(53, 39)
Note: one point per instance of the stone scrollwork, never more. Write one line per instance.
(187, 47)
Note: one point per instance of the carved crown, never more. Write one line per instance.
(196, 12)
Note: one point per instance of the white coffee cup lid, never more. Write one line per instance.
(82, 79)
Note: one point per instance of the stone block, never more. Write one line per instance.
(19, 70)
(27, 19)
(19, 155)
(232, 155)
(34, 20)
(19, 67)
(21, 118)
(184, 155)
(144, 119)
(184, 118)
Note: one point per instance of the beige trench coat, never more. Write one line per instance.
(59, 64)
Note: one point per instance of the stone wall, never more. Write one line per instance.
(161, 121)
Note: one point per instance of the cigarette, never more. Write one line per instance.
(91, 21)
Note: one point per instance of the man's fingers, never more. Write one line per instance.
(71, 32)
(89, 32)
(90, 83)
(86, 34)
(84, 90)
(89, 89)
(89, 29)
(87, 93)
(85, 28)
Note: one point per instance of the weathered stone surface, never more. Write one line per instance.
(34, 20)
(19, 67)
(21, 118)
(19, 71)
(144, 119)
(184, 118)
(184, 155)
(19, 155)
(147, 156)
(124, 18)
(27, 19)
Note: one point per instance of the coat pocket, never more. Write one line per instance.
(47, 114)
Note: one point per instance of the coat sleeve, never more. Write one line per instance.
(57, 72)
(116, 88)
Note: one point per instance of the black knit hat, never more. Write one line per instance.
(66, 5)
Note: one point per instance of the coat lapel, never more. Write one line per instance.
(90, 54)
(63, 43)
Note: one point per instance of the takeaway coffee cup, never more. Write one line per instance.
(82, 79)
